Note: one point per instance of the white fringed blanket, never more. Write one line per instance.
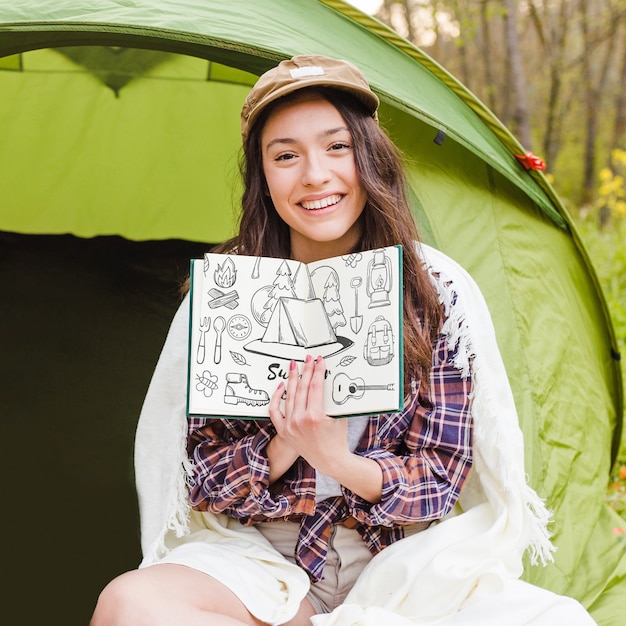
(463, 570)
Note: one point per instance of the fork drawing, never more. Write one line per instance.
(205, 325)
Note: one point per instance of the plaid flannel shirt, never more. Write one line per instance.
(424, 451)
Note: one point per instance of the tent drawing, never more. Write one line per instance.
(286, 335)
(120, 136)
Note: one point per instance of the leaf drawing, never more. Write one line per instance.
(238, 358)
(346, 360)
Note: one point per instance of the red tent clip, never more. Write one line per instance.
(530, 161)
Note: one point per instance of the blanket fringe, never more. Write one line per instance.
(510, 475)
(540, 547)
(178, 516)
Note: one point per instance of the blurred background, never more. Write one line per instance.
(554, 73)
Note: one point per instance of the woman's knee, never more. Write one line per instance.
(121, 598)
(155, 595)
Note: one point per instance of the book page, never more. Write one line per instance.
(362, 296)
(251, 316)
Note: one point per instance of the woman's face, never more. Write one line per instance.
(309, 165)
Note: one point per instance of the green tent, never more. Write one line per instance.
(119, 138)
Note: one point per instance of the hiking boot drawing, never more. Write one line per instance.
(238, 390)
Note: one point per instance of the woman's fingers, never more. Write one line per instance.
(276, 414)
(315, 397)
(292, 387)
(302, 391)
(301, 422)
(305, 391)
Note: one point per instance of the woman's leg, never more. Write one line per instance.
(170, 595)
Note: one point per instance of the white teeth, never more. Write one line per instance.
(321, 204)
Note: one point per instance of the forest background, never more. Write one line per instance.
(555, 74)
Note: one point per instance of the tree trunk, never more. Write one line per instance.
(553, 40)
(521, 115)
(618, 137)
(593, 91)
(487, 55)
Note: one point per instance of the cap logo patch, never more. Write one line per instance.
(308, 70)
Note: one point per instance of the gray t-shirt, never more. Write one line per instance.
(327, 487)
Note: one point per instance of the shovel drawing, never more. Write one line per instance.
(356, 321)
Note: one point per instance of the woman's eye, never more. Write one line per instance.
(285, 157)
(341, 145)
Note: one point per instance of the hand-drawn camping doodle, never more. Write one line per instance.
(260, 312)
(254, 314)
(282, 287)
(218, 299)
(379, 280)
(292, 299)
(255, 270)
(378, 348)
(205, 325)
(345, 388)
(225, 275)
(356, 321)
(285, 336)
(351, 260)
(239, 327)
(346, 360)
(264, 300)
(238, 358)
(238, 391)
(326, 281)
(207, 383)
(218, 326)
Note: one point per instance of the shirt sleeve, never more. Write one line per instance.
(231, 473)
(423, 476)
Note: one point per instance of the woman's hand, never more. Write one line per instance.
(303, 429)
(302, 424)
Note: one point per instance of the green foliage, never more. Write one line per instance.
(607, 249)
(611, 203)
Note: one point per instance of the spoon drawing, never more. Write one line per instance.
(218, 326)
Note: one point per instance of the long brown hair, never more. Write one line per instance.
(387, 220)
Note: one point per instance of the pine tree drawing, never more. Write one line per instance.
(282, 288)
(332, 302)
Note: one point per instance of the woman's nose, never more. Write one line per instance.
(316, 172)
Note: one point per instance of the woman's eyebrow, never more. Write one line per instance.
(289, 140)
(333, 131)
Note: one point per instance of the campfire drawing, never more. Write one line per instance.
(225, 274)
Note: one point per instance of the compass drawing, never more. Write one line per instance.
(239, 327)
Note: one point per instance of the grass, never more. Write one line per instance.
(607, 250)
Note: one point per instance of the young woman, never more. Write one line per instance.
(321, 179)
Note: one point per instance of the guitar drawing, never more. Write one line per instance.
(345, 388)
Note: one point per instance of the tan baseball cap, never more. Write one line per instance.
(305, 71)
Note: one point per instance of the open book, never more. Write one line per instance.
(250, 316)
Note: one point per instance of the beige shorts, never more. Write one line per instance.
(347, 556)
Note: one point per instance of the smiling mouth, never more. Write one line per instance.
(322, 203)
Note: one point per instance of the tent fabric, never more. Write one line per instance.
(120, 128)
(82, 322)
